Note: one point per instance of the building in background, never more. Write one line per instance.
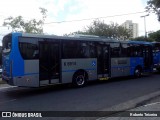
(133, 27)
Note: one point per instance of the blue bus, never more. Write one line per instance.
(33, 60)
(156, 55)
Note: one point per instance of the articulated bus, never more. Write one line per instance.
(156, 55)
(32, 60)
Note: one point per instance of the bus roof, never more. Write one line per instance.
(84, 37)
(81, 38)
(155, 42)
(139, 42)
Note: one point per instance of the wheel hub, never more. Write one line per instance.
(80, 80)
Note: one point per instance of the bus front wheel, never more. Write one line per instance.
(79, 79)
(137, 72)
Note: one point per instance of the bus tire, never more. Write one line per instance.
(137, 72)
(79, 79)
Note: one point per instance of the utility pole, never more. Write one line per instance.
(144, 16)
(159, 15)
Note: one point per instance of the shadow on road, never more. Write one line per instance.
(21, 92)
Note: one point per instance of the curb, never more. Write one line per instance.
(133, 103)
(128, 105)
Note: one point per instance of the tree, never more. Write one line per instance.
(31, 26)
(154, 6)
(155, 36)
(100, 28)
(143, 38)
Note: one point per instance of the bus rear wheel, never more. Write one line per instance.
(79, 79)
(137, 72)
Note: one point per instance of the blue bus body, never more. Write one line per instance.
(145, 61)
(11, 70)
(58, 62)
(156, 55)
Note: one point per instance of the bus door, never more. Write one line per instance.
(148, 57)
(103, 60)
(49, 63)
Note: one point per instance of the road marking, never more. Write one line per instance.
(8, 101)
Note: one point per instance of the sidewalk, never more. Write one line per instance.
(3, 84)
(147, 110)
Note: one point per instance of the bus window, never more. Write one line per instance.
(7, 40)
(115, 49)
(87, 50)
(28, 48)
(125, 51)
(78, 49)
(84, 50)
(136, 50)
(92, 50)
(156, 48)
(70, 49)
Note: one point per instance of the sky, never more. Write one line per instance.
(70, 10)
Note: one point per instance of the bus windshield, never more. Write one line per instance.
(7, 40)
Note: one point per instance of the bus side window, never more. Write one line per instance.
(83, 50)
(28, 50)
(136, 50)
(92, 50)
(115, 49)
(70, 49)
(78, 49)
(125, 50)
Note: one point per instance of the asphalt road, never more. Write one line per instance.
(95, 96)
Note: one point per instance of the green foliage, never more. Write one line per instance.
(155, 36)
(142, 38)
(154, 6)
(100, 28)
(31, 26)
(110, 30)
